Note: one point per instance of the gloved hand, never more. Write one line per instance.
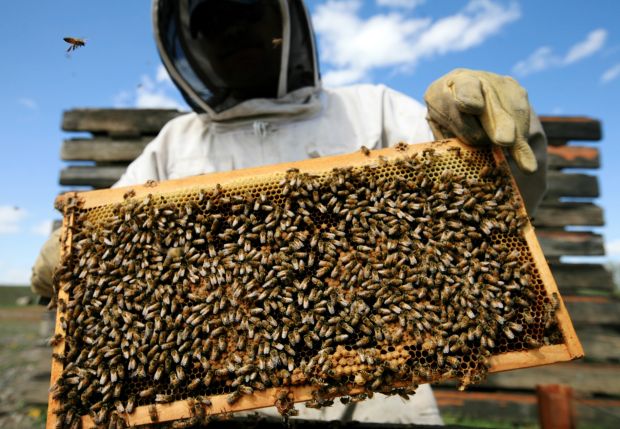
(479, 108)
(41, 281)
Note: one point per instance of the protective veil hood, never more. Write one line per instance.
(193, 72)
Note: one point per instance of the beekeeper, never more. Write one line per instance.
(249, 70)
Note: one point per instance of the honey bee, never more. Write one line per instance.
(233, 397)
(555, 301)
(129, 407)
(129, 194)
(401, 146)
(194, 384)
(55, 340)
(147, 393)
(163, 399)
(153, 413)
(276, 42)
(74, 43)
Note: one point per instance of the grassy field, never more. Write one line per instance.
(24, 366)
(9, 294)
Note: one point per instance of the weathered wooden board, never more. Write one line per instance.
(144, 121)
(520, 409)
(572, 185)
(570, 243)
(130, 122)
(517, 408)
(565, 214)
(103, 149)
(573, 157)
(95, 176)
(600, 343)
(584, 378)
(585, 311)
(575, 278)
(571, 127)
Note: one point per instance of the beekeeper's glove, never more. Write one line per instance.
(479, 108)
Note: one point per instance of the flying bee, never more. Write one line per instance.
(74, 43)
(276, 42)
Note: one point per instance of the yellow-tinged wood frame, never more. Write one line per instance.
(569, 350)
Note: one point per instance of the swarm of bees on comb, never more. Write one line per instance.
(364, 279)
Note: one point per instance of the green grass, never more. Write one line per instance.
(9, 295)
(480, 423)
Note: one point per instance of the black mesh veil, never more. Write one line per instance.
(182, 28)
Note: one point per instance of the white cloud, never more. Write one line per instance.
(162, 75)
(594, 42)
(43, 228)
(404, 4)
(10, 219)
(152, 92)
(541, 59)
(544, 58)
(612, 248)
(352, 47)
(28, 103)
(147, 98)
(611, 73)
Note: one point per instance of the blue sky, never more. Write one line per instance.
(566, 54)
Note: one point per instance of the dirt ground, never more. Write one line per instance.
(25, 360)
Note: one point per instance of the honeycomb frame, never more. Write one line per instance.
(241, 181)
